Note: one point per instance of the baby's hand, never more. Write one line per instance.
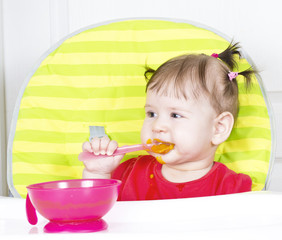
(101, 167)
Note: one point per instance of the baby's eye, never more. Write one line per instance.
(175, 115)
(151, 114)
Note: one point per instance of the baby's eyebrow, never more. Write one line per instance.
(147, 105)
(180, 109)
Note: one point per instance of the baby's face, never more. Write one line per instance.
(189, 124)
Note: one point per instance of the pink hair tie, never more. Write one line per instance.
(232, 75)
(215, 55)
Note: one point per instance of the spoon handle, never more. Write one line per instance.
(121, 150)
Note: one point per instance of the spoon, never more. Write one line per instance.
(157, 147)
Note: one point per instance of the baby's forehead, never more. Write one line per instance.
(186, 90)
(183, 95)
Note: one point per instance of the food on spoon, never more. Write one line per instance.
(161, 147)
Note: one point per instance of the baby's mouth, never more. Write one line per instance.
(160, 146)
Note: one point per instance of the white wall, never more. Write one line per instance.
(30, 27)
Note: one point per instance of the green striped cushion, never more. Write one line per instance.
(96, 78)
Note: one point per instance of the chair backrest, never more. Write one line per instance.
(95, 77)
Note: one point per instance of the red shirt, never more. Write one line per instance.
(142, 180)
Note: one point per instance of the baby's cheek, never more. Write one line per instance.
(143, 138)
(182, 148)
(145, 133)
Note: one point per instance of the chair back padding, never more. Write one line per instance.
(96, 77)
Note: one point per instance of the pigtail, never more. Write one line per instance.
(247, 74)
(227, 55)
(148, 72)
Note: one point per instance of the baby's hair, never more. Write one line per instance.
(227, 55)
(247, 74)
(202, 75)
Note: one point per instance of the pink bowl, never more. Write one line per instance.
(74, 200)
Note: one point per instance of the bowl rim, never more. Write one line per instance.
(38, 186)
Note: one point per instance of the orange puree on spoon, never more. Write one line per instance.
(162, 148)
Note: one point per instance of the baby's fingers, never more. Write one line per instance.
(112, 147)
(86, 147)
(104, 143)
(99, 145)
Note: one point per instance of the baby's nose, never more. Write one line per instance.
(160, 125)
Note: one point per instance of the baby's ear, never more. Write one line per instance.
(223, 125)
